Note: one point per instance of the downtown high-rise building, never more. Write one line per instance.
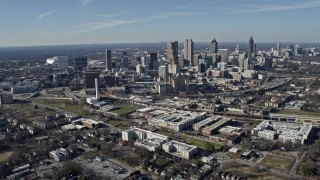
(214, 46)
(224, 55)
(153, 60)
(278, 46)
(250, 47)
(125, 60)
(108, 60)
(81, 62)
(172, 52)
(90, 77)
(237, 50)
(188, 50)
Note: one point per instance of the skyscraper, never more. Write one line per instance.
(153, 60)
(90, 77)
(125, 60)
(172, 52)
(214, 46)
(237, 50)
(247, 64)
(278, 46)
(224, 54)
(163, 70)
(188, 50)
(81, 62)
(250, 47)
(242, 57)
(108, 60)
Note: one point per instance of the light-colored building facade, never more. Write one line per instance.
(61, 62)
(144, 138)
(177, 120)
(180, 149)
(188, 50)
(224, 54)
(6, 98)
(59, 154)
(25, 87)
(198, 126)
(286, 132)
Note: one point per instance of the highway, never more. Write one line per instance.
(277, 82)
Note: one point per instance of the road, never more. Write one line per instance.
(297, 163)
(277, 82)
(72, 96)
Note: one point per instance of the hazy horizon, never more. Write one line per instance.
(59, 22)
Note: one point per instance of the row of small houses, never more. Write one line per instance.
(50, 124)
(25, 130)
(30, 129)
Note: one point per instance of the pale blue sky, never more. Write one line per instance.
(50, 22)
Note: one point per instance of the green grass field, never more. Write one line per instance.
(14, 107)
(283, 164)
(202, 144)
(166, 133)
(123, 109)
(33, 114)
(120, 124)
(205, 145)
(27, 111)
(53, 102)
(63, 104)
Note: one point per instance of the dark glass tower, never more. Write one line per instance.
(153, 59)
(214, 46)
(250, 47)
(108, 60)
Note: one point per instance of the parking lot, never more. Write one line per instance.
(107, 168)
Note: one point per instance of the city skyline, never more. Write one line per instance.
(93, 21)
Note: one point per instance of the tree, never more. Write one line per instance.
(209, 147)
(306, 169)
(69, 168)
(287, 145)
(104, 131)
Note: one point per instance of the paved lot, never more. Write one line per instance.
(43, 170)
(107, 168)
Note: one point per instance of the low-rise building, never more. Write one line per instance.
(295, 105)
(286, 132)
(25, 87)
(207, 122)
(59, 154)
(177, 120)
(41, 125)
(152, 141)
(88, 123)
(207, 131)
(143, 138)
(6, 98)
(180, 149)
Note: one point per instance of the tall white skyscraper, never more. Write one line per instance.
(237, 50)
(188, 50)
